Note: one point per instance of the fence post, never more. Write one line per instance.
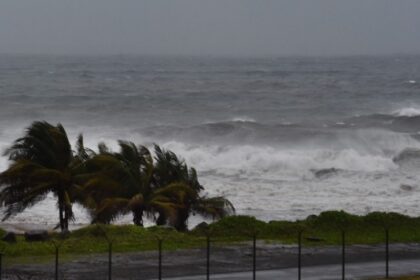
(343, 256)
(110, 260)
(208, 258)
(109, 240)
(1, 265)
(57, 245)
(386, 253)
(254, 257)
(300, 254)
(160, 258)
(56, 262)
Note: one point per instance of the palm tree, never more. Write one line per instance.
(109, 184)
(161, 187)
(169, 168)
(121, 183)
(42, 163)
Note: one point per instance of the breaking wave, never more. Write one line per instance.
(406, 119)
(269, 162)
(243, 119)
(407, 112)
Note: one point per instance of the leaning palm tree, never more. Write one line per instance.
(42, 162)
(121, 184)
(162, 187)
(169, 168)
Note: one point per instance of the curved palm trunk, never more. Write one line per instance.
(64, 214)
(61, 216)
(181, 219)
(161, 220)
(66, 219)
(138, 217)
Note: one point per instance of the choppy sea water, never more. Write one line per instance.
(282, 138)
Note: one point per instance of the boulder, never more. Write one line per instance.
(9, 237)
(326, 172)
(314, 239)
(408, 154)
(202, 226)
(36, 235)
(407, 188)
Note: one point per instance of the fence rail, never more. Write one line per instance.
(253, 268)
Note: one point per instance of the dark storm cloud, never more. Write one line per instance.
(242, 27)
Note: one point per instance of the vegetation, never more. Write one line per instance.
(42, 163)
(324, 229)
(109, 184)
(158, 185)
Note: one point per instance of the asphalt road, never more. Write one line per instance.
(323, 272)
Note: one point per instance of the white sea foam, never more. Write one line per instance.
(265, 168)
(243, 119)
(259, 161)
(238, 119)
(270, 181)
(407, 112)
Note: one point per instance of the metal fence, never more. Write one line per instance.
(208, 249)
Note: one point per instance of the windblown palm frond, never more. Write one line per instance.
(110, 209)
(214, 207)
(82, 152)
(41, 162)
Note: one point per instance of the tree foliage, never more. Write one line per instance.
(42, 162)
(157, 185)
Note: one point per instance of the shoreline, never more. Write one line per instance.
(21, 228)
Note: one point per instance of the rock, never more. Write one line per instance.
(9, 237)
(407, 188)
(36, 235)
(320, 173)
(314, 239)
(201, 226)
(408, 154)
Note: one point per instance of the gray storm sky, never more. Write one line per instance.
(210, 27)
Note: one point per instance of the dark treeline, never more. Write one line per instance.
(158, 185)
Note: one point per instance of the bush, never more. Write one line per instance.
(237, 226)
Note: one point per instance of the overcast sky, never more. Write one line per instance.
(210, 27)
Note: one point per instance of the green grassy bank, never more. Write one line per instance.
(326, 228)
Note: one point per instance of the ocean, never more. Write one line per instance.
(281, 137)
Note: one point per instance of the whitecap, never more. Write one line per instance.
(407, 112)
(243, 119)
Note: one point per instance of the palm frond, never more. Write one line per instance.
(82, 152)
(110, 209)
(214, 207)
(41, 162)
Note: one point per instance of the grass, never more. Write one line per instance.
(326, 227)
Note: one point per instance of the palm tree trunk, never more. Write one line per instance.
(161, 220)
(61, 218)
(62, 213)
(138, 217)
(181, 219)
(66, 220)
